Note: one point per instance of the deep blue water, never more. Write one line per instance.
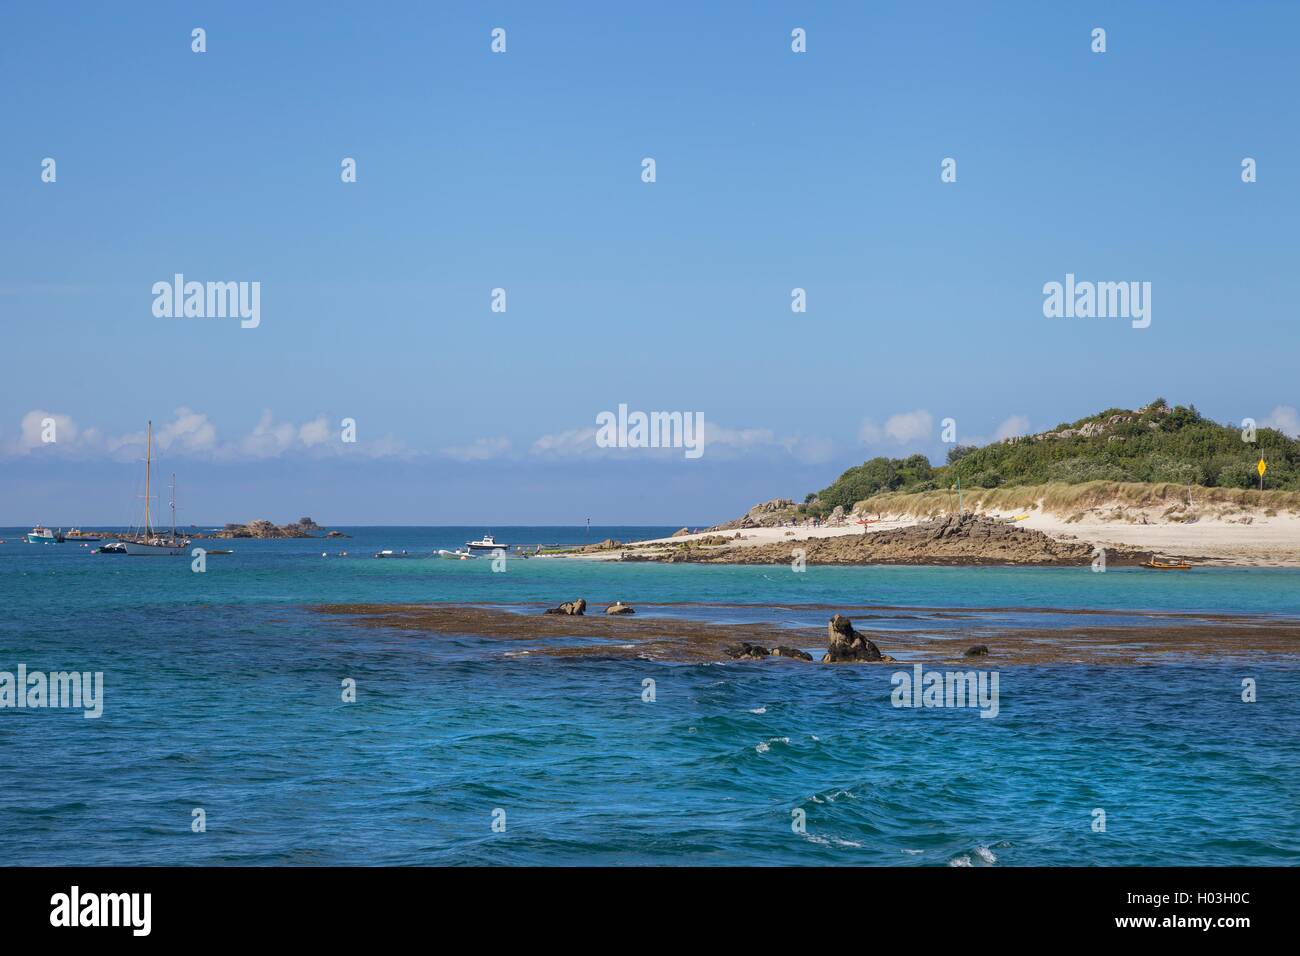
(222, 691)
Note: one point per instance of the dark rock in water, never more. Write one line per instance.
(572, 607)
(618, 607)
(746, 649)
(794, 652)
(846, 644)
(979, 650)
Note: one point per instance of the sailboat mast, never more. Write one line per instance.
(173, 506)
(148, 471)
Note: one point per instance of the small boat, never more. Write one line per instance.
(454, 555)
(43, 535)
(1158, 565)
(486, 543)
(78, 535)
(113, 547)
(389, 553)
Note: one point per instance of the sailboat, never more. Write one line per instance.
(149, 541)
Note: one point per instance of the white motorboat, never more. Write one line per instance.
(485, 544)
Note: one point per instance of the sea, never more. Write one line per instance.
(241, 727)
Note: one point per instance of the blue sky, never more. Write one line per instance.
(522, 170)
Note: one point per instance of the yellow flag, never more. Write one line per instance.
(1261, 468)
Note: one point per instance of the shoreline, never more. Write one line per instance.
(1249, 541)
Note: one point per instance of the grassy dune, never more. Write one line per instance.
(1071, 499)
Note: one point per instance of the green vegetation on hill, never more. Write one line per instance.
(1153, 444)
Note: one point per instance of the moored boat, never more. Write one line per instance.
(1157, 565)
(42, 535)
(485, 543)
(149, 542)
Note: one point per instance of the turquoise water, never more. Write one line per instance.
(222, 692)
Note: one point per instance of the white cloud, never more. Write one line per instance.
(267, 439)
(719, 441)
(738, 439)
(811, 450)
(577, 442)
(192, 434)
(189, 431)
(315, 432)
(1285, 419)
(1013, 427)
(480, 449)
(38, 423)
(905, 427)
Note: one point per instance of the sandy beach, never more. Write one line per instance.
(1243, 539)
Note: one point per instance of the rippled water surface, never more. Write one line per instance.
(222, 692)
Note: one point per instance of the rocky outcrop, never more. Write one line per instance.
(746, 650)
(964, 538)
(1100, 426)
(261, 528)
(768, 514)
(576, 608)
(794, 652)
(846, 644)
(618, 607)
(680, 532)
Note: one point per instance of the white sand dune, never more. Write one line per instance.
(1248, 539)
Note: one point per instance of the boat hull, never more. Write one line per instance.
(140, 549)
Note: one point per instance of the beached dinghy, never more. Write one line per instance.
(1157, 565)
